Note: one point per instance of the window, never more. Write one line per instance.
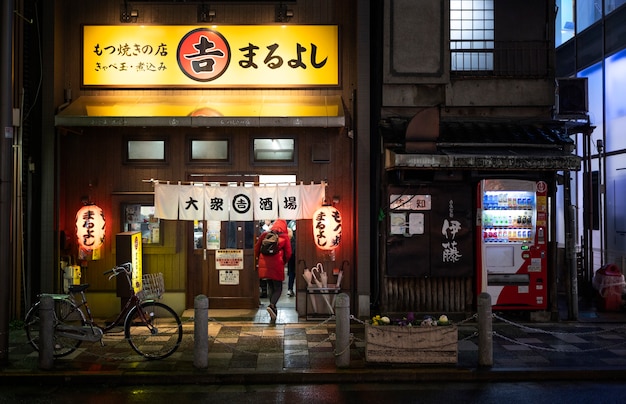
(209, 151)
(611, 5)
(615, 88)
(146, 151)
(564, 29)
(138, 217)
(471, 35)
(587, 12)
(274, 150)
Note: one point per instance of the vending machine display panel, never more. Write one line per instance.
(511, 230)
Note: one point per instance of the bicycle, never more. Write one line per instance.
(151, 328)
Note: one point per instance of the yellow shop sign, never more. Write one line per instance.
(222, 56)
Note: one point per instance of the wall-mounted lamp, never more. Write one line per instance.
(126, 14)
(283, 14)
(205, 13)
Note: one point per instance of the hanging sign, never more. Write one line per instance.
(90, 227)
(215, 203)
(327, 228)
(217, 56)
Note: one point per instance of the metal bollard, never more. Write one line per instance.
(201, 332)
(46, 333)
(342, 318)
(485, 330)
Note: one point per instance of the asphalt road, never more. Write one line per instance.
(483, 393)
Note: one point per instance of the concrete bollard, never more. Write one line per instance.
(201, 332)
(485, 330)
(46, 333)
(342, 319)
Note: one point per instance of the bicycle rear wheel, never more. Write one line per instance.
(67, 313)
(153, 330)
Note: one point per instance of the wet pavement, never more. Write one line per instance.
(244, 347)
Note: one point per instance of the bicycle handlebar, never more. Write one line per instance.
(126, 268)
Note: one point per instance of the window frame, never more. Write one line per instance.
(146, 161)
(273, 162)
(124, 213)
(483, 54)
(208, 161)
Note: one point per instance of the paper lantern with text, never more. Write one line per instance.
(327, 228)
(90, 225)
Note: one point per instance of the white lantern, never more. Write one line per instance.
(90, 224)
(327, 228)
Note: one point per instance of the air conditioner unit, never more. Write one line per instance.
(571, 97)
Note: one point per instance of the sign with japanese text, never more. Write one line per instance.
(430, 231)
(224, 203)
(218, 56)
(229, 277)
(229, 259)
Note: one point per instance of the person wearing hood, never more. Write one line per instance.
(272, 267)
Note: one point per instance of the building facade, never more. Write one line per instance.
(241, 124)
(431, 101)
(591, 47)
(467, 95)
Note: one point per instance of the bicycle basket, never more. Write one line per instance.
(153, 287)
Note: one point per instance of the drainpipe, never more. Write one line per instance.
(6, 171)
(570, 250)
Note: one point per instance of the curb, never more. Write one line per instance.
(340, 376)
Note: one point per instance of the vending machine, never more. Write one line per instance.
(512, 220)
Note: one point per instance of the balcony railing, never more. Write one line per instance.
(507, 58)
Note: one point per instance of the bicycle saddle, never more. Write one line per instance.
(78, 288)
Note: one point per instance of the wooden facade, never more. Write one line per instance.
(91, 159)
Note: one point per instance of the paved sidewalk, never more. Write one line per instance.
(303, 352)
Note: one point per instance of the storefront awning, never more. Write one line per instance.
(538, 146)
(204, 111)
(517, 162)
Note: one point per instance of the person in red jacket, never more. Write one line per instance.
(272, 267)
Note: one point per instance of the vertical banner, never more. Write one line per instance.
(312, 199)
(241, 203)
(166, 201)
(452, 246)
(290, 202)
(216, 203)
(191, 202)
(265, 203)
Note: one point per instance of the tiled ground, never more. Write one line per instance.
(239, 347)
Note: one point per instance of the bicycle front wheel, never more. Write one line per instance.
(66, 313)
(153, 330)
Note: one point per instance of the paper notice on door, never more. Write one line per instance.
(397, 223)
(229, 277)
(416, 223)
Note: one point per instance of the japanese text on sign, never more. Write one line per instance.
(449, 230)
(227, 277)
(231, 55)
(409, 202)
(229, 259)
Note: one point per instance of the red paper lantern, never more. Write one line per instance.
(90, 224)
(327, 228)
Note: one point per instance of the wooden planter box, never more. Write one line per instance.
(399, 344)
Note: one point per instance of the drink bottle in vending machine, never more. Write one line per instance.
(511, 229)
